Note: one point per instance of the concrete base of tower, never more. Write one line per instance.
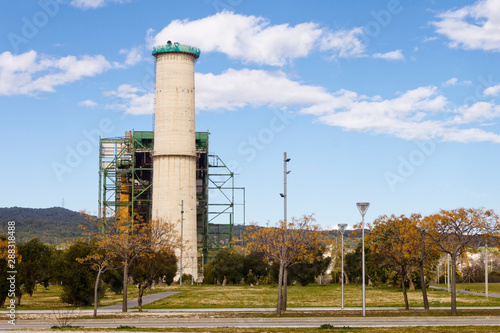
(174, 183)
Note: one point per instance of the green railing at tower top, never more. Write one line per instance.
(176, 48)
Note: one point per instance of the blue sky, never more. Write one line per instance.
(391, 102)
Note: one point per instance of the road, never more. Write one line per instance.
(147, 321)
(152, 318)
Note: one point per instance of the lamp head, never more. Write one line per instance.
(363, 207)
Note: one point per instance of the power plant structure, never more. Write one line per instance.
(168, 174)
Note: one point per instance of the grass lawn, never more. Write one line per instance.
(50, 299)
(209, 296)
(309, 296)
(493, 288)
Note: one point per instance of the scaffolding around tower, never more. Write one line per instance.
(125, 188)
(125, 177)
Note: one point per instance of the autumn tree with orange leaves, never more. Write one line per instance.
(399, 241)
(8, 262)
(127, 241)
(392, 238)
(457, 231)
(100, 261)
(286, 244)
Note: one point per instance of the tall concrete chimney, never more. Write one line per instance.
(174, 160)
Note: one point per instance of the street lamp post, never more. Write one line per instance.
(283, 195)
(342, 227)
(363, 207)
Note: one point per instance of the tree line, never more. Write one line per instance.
(114, 253)
(402, 250)
(407, 248)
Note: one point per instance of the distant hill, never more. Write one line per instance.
(51, 225)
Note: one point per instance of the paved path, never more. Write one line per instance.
(270, 322)
(145, 300)
(467, 292)
(311, 309)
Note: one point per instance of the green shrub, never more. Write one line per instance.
(78, 279)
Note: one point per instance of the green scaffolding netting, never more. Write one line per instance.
(177, 48)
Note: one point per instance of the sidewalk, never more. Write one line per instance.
(312, 309)
(133, 303)
(467, 292)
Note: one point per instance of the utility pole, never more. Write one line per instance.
(284, 195)
(342, 227)
(486, 268)
(182, 229)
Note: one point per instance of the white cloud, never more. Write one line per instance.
(456, 82)
(451, 82)
(238, 88)
(492, 91)
(404, 116)
(418, 114)
(133, 56)
(469, 135)
(411, 116)
(344, 43)
(132, 100)
(231, 90)
(477, 112)
(254, 39)
(393, 55)
(93, 4)
(30, 73)
(473, 27)
(88, 103)
(430, 39)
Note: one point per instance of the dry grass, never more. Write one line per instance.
(265, 297)
(493, 288)
(309, 296)
(51, 298)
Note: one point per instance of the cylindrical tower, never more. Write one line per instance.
(174, 160)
